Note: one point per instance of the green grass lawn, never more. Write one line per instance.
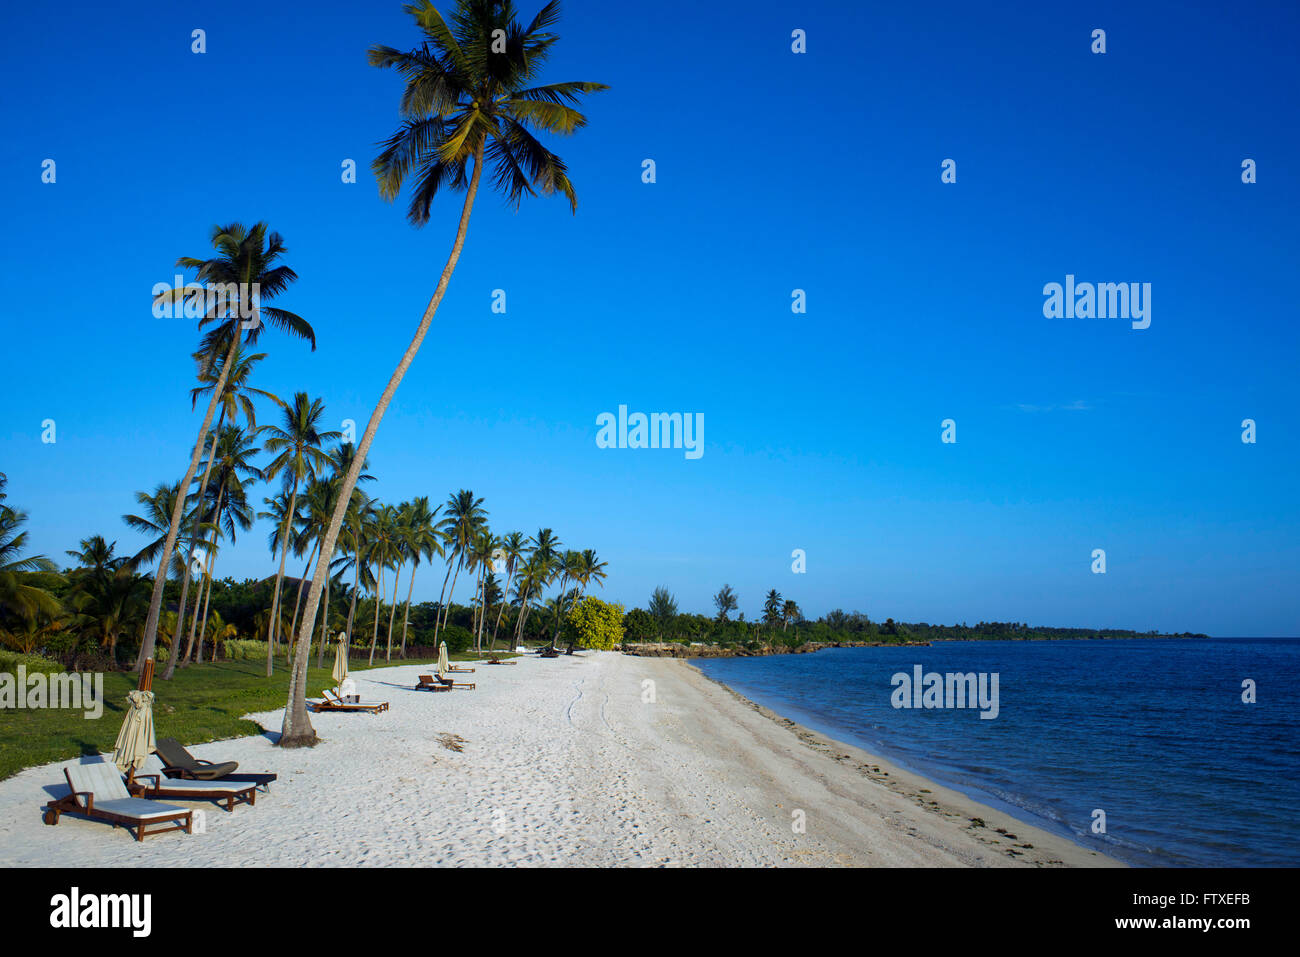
(201, 703)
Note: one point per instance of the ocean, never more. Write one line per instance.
(1152, 732)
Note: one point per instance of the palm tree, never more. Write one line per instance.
(542, 562)
(725, 601)
(97, 556)
(398, 534)
(482, 548)
(423, 541)
(17, 597)
(157, 507)
(772, 608)
(237, 396)
(340, 462)
(382, 553)
(587, 568)
(467, 101)
(155, 522)
(232, 513)
(234, 473)
(241, 276)
(512, 550)
(361, 516)
(106, 592)
(531, 579)
(464, 515)
(299, 444)
(317, 502)
(790, 612)
(593, 570)
(570, 566)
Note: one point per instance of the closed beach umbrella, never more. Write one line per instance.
(442, 659)
(135, 741)
(341, 660)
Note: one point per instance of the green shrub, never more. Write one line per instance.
(592, 623)
(245, 649)
(456, 637)
(10, 660)
(640, 626)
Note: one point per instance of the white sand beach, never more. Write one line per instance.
(562, 763)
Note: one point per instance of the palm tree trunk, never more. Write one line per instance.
(164, 560)
(476, 607)
(296, 730)
(559, 609)
(379, 592)
(406, 614)
(523, 613)
(324, 625)
(203, 628)
(208, 561)
(505, 600)
(392, 614)
(211, 577)
(297, 604)
(356, 586)
(273, 626)
(194, 540)
(451, 594)
(442, 600)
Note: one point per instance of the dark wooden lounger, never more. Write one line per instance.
(332, 703)
(448, 684)
(427, 683)
(179, 763)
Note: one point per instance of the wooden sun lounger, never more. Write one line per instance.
(460, 671)
(99, 792)
(427, 683)
(331, 703)
(150, 783)
(178, 763)
(448, 684)
(494, 660)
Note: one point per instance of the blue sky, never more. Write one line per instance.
(775, 171)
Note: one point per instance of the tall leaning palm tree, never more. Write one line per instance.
(241, 277)
(298, 444)
(470, 98)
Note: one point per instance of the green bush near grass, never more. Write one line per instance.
(10, 660)
(245, 649)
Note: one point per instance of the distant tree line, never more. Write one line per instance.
(781, 622)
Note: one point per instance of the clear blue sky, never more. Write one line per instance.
(776, 171)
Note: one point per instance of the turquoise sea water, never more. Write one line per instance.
(1152, 732)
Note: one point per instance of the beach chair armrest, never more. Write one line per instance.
(88, 795)
(157, 779)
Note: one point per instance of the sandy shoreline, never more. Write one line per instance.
(564, 761)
